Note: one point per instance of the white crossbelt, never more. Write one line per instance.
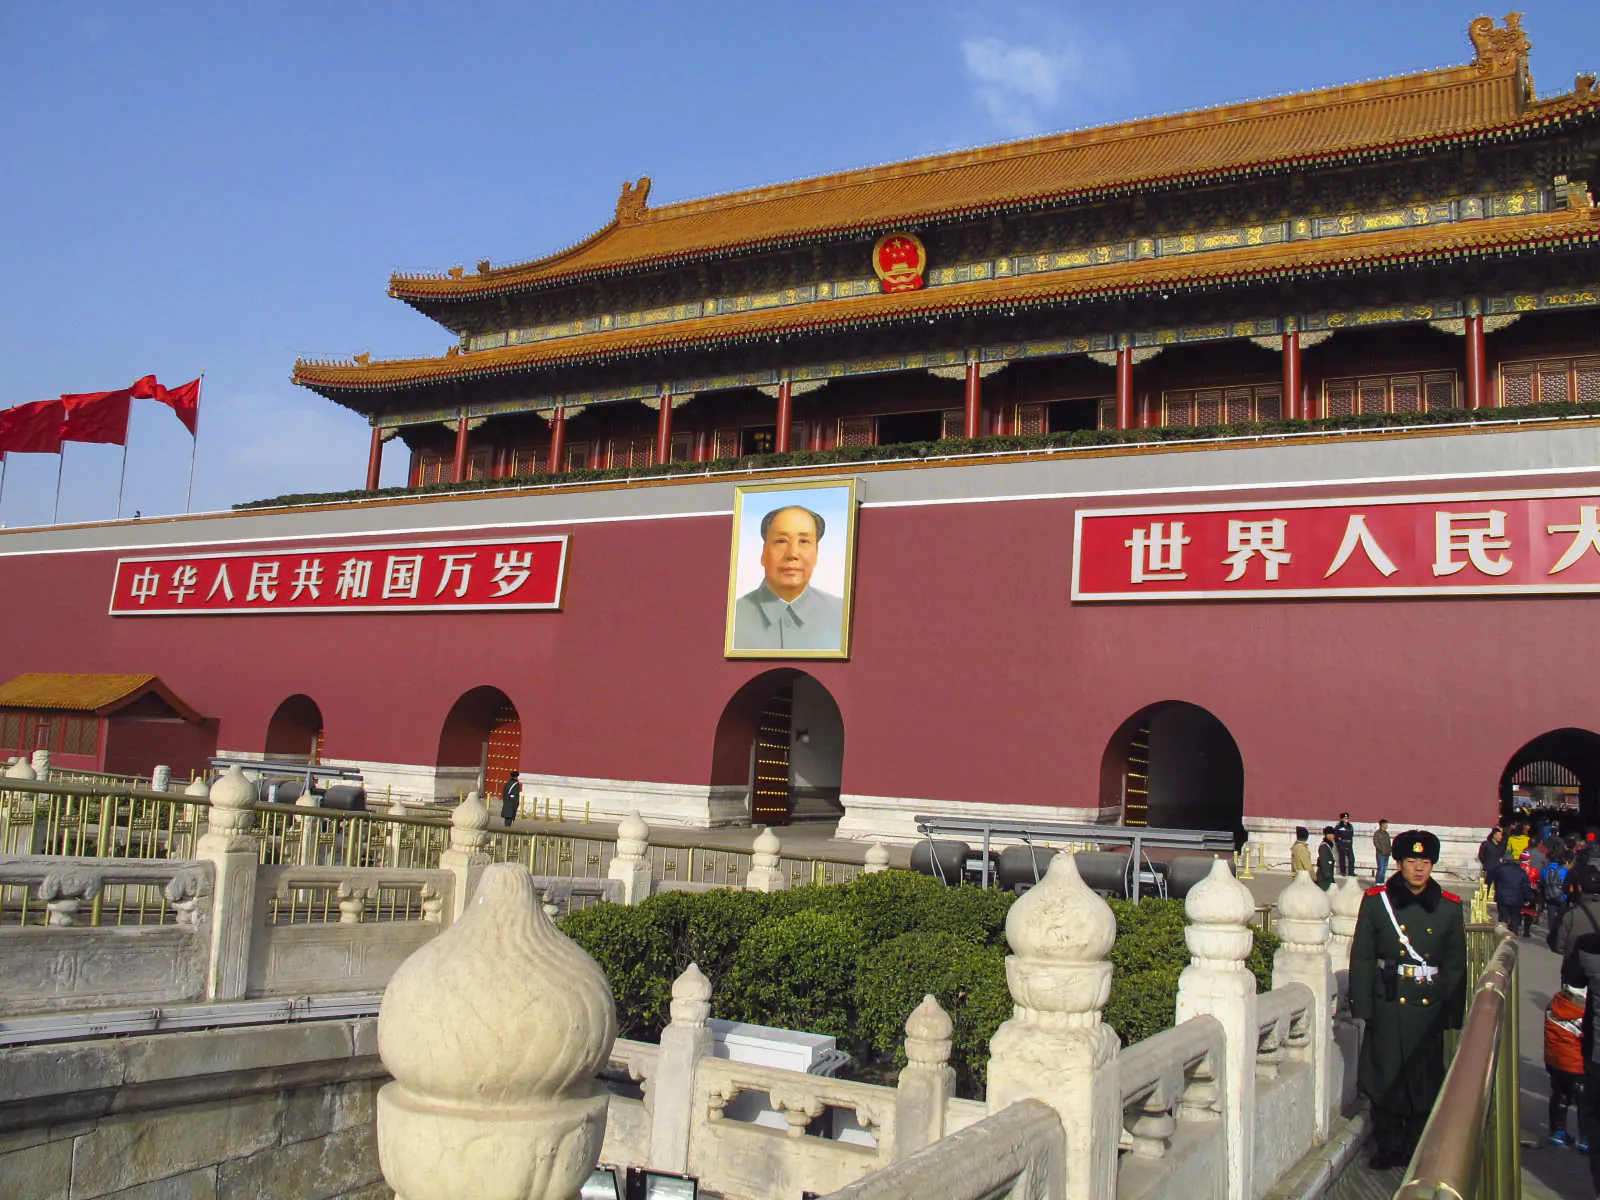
(1422, 970)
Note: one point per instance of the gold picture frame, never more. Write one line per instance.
(791, 587)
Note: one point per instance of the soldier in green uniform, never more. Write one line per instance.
(1408, 976)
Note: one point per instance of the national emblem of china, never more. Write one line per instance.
(899, 259)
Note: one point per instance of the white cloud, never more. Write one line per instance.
(1018, 86)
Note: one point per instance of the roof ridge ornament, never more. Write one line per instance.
(1502, 49)
(631, 204)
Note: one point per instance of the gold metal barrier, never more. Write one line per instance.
(1470, 1147)
(99, 820)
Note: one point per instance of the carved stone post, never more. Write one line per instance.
(29, 838)
(684, 1042)
(632, 862)
(396, 839)
(1302, 923)
(1346, 901)
(1055, 1047)
(41, 765)
(466, 857)
(877, 859)
(1217, 983)
(228, 844)
(494, 1032)
(765, 874)
(20, 769)
(309, 826)
(161, 779)
(928, 1081)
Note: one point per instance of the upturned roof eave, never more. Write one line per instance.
(1584, 234)
(456, 293)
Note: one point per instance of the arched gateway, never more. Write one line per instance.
(1174, 765)
(1559, 760)
(295, 731)
(780, 742)
(483, 730)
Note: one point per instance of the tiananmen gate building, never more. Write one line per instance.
(1143, 474)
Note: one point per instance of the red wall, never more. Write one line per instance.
(973, 677)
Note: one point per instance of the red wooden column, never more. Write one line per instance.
(1477, 362)
(664, 431)
(1125, 413)
(459, 471)
(972, 413)
(785, 415)
(1291, 375)
(375, 459)
(1148, 417)
(558, 439)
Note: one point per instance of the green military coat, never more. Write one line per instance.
(1402, 1050)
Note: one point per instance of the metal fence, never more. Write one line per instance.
(90, 819)
(1470, 1147)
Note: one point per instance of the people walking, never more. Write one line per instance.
(1381, 845)
(1580, 968)
(510, 799)
(1582, 915)
(1511, 891)
(1300, 852)
(1408, 974)
(1344, 838)
(1489, 851)
(1563, 1059)
(1326, 857)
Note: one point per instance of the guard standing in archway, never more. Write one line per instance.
(1408, 974)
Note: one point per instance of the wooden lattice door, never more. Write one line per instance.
(769, 793)
(505, 751)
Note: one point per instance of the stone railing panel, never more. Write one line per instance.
(322, 929)
(97, 933)
(741, 1158)
(1286, 1092)
(1172, 1118)
(1016, 1154)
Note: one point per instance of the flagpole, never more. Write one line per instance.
(61, 458)
(4, 458)
(194, 443)
(123, 476)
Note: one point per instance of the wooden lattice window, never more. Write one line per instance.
(433, 467)
(79, 735)
(1550, 381)
(728, 444)
(45, 732)
(11, 731)
(478, 463)
(633, 452)
(1220, 406)
(527, 460)
(1031, 419)
(578, 455)
(857, 431)
(799, 436)
(1108, 413)
(682, 448)
(952, 424)
(1410, 393)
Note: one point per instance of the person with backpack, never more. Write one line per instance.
(1511, 891)
(1553, 883)
(1583, 908)
(1563, 1059)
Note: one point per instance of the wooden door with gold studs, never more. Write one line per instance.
(505, 751)
(769, 796)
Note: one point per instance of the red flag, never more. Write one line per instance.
(32, 428)
(183, 400)
(97, 417)
(146, 388)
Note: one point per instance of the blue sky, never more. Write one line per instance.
(227, 185)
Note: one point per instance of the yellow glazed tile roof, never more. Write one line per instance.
(1544, 231)
(78, 693)
(1488, 98)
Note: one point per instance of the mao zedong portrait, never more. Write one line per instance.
(784, 612)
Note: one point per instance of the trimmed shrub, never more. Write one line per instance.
(796, 972)
(967, 978)
(635, 952)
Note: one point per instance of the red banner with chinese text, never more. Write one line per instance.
(1503, 543)
(528, 573)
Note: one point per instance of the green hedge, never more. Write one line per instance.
(957, 446)
(852, 961)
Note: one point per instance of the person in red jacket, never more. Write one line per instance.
(1563, 1058)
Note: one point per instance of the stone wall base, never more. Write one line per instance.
(283, 1111)
(894, 818)
(1458, 844)
(683, 805)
